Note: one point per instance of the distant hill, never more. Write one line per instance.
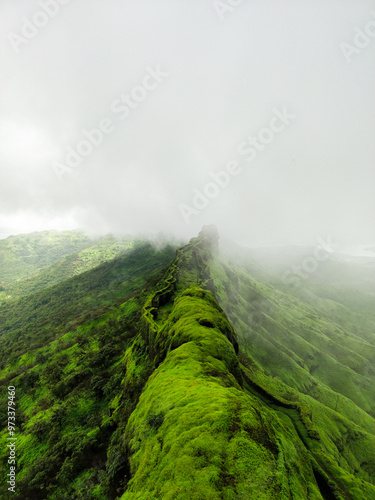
(24, 255)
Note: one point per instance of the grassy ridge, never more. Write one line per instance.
(194, 348)
(195, 433)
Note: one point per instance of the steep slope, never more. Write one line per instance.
(63, 349)
(196, 433)
(314, 352)
(28, 321)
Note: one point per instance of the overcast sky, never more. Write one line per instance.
(180, 88)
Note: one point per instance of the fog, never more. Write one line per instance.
(162, 116)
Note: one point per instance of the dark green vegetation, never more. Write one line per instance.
(159, 374)
(31, 262)
(27, 254)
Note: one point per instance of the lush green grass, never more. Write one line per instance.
(195, 432)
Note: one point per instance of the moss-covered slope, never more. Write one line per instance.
(313, 353)
(196, 433)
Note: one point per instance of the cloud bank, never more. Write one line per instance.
(123, 117)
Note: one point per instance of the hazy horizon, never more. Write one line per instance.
(139, 118)
(360, 250)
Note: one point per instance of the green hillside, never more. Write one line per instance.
(68, 259)
(24, 255)
(163, 374)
